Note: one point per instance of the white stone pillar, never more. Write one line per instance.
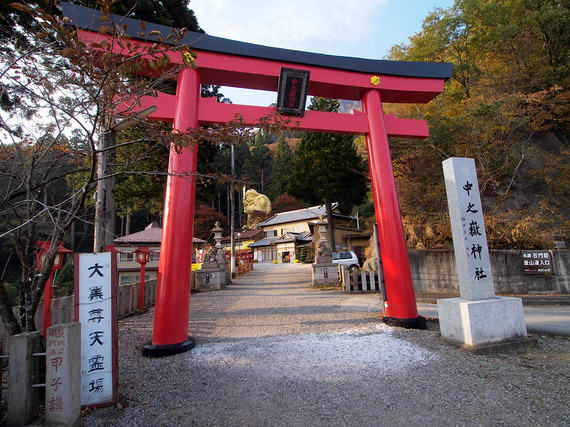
(478, 321)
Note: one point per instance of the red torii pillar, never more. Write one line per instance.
(172, 308)
(400, 306)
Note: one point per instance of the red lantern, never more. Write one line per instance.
(43, 250)
(143, 256)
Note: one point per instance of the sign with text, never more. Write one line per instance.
(468, 228)
(292, 92)
(95, 308)
(536, 262)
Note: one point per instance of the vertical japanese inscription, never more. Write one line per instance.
(96, 317)
(292, 91)
(55, 357)
(467, 223)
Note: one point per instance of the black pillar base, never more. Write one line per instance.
(415, 323)
(151, 350)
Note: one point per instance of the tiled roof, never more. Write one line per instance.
(307, 214)
(152, 234)
(294, 237)
(244, 235)
(263, 242)
(302, 237)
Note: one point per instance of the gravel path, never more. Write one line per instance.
(272, 351)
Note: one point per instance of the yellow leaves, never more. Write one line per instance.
(189, 58)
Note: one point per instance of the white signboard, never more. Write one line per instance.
(95, 309)
(468, 228)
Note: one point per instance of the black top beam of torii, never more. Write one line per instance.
(88, 19)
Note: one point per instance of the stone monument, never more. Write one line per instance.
(325, 272)
(478, 321)
(63, 375)
(213, 275)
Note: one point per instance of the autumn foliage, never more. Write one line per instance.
(507, 107)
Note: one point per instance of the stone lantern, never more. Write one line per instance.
(214, 272)
(217, 230)
(325, 272)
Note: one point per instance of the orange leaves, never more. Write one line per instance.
(20, 7)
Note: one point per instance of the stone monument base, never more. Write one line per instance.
(483, 326)
(325, 274)
(211, 279)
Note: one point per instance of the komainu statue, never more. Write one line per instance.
(257, 207)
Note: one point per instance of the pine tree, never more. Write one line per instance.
(281, 169)
(261, 158)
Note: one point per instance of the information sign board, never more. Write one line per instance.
(95, 308)
(536, 262)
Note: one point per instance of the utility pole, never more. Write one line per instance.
(105, 196)
(232, 214)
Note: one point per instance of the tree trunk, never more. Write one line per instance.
(128, 222)
(28, 321)
(8, 317)
(332, 242)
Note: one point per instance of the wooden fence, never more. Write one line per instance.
(360, 281)
(63, 309)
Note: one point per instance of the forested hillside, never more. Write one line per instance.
(507, 106)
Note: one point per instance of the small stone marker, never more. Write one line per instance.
(478, 321)
(63, 375)
(24, 372)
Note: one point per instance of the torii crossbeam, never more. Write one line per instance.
(231, 63)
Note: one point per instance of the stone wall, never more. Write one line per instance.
(434, 271)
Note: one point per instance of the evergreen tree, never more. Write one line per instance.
(173, 13)
(281, 169)
(261, 158)
(248, 172)
(326, 169)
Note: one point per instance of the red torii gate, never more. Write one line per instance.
(230, 63)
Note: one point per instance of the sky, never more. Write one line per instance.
(356, 28)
